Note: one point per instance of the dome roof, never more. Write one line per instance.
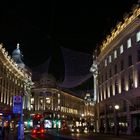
(17, 57)
(16, 51)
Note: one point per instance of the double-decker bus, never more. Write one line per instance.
(38, 124)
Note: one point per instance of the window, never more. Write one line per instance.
(139, 77)
(100, 95)
(116, 86)
(129, 60)
(106, 92)
(138, 55)
(105, 62)
(122, 84)
(138, 36)
(106, 76)
(115, 68)
(129, 43)
(103, 94)
(110, 73)
(122, 64)
(115, 54)
(130, 82)
(110, 59)
(111, 91)
(121, 49)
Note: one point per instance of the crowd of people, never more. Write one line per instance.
(4, 132)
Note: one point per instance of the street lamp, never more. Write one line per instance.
(117, 107)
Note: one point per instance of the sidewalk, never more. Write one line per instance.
(10, 136)
(90, 136)
(120, 136)
(59, 134)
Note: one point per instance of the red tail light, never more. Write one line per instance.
(42, 130)
(34, 131)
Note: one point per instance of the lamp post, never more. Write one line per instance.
(94, 71)
(117, 107)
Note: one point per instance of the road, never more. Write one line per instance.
(43, 137)
(78, 137)
(56, 136)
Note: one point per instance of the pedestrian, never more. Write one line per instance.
(3, 132)
(0, 131)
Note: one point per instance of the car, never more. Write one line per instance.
(38, 130)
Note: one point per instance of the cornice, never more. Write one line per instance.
(121, 29)
(9, 63)
(54, 90)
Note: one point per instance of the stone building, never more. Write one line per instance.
(14, 80)
(55, 103)
(118, 79)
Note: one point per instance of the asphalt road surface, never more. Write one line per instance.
(51, 135)
(77, 137)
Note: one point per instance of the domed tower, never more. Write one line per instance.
(17, 57)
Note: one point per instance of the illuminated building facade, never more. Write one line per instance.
(54, 103)
(119, 77)
(14, 80)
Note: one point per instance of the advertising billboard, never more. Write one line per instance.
(48, 123)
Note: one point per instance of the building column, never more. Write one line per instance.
(23, 99)
(116, 122)
(98, 122)
(11, 92)
(10, 95)
(8, 92)
(44, 102)
(2, 85)
(106, 121)
(36, 98)
(52, 102)
(28, 100)
(5, 90)
(129, 119)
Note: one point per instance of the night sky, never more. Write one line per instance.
(42, 28)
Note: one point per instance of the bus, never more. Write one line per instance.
(38, 124)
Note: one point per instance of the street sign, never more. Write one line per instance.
(17, 99)
(17, 104)
(20, 131)
(18, 108)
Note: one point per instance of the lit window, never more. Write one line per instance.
(129, 43)
(110, 59)
(115, 54)
(121, 49)
(48, 101)
(138, 36)
(58, 101)
(101, 96)
(32, 100)
(32, 107)
(105, 62)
